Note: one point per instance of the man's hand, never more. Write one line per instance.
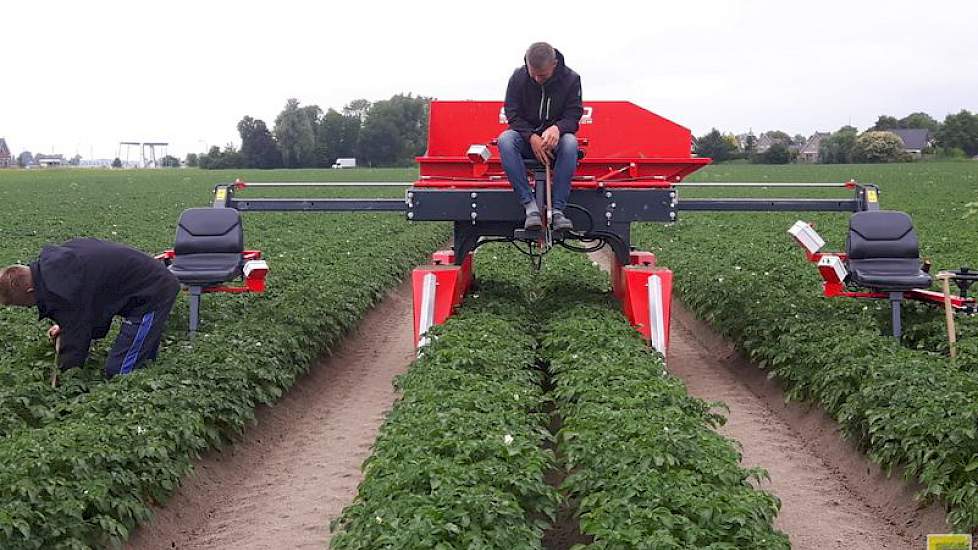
(54, 332)
(540, 151)
(550, 137)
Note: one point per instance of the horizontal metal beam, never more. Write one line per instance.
(331, 184)
(768, 205)
(762, 184)
(586, 207)
(318, 205)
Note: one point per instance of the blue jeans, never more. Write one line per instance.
(513, 149)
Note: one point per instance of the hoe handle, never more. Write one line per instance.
(57, 361)
(952, 336)
(549, 195)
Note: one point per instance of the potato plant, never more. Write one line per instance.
(81, 464)
(646, 469)
(906, 403)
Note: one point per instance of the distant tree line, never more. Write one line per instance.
(955, 137)
(390, 132)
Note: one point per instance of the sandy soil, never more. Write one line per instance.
(279, 487)
(832, 495)
(294, 471)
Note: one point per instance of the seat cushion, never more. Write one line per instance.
(206, 269)
(209, 230)
(881, 234)
(889, 273)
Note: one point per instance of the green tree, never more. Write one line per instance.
(837, 148)
(885, 122)
(750, 144)
(777, 153)
(258, 147)
(409, 117)
(778, 135)
(379, 144)
(216, 159)
(920, 120)
(170, 161)
(192, 160)
(336, 137)
(959, 131)
(876, 147)
(712, 145)
(116, 163)
(357, 108)
(295, 130)
(75, 160)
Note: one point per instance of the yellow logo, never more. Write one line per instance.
(948, 542)
(871, 196)
(220, 194)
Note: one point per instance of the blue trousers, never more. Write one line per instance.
(138, 339)
(513, 149)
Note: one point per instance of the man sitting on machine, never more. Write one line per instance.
(81, 285)
(543, 108)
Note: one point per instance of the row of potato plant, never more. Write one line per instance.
(646, 468)
(82, 464)
(905, 403)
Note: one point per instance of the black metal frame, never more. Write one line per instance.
(602, 214)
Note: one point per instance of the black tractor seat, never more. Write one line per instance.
(208, 251)
(883, 252)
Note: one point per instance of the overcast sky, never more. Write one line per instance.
(80, 76)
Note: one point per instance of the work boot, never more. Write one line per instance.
(533, 220)
(562, 222)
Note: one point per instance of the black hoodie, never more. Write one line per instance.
(532, 108)
(83, 283)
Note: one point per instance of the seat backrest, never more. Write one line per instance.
(209, 230)
(881, 234)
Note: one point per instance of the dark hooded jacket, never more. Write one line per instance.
(83, 283)
(532, 108)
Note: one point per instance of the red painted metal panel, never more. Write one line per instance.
(447, 257)
(625, 144)
(636, 281)
(448, 285)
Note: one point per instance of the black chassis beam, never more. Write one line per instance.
(605, 206)
(598, 214)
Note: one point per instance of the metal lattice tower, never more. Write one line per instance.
(147, 152)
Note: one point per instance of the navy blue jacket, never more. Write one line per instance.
(532, 108)
(83, 283)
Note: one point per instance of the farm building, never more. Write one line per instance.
(915, 140)
(6, 159)
(809, 151)
(46, 161)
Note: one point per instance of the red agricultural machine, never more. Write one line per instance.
(631, 165)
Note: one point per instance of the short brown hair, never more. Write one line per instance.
(540, 55)
(14, 281)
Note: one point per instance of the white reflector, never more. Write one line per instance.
(657, 335)
(836, 265)
(806, 237)
(478, 153)
(254, 265)
(428, 287)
